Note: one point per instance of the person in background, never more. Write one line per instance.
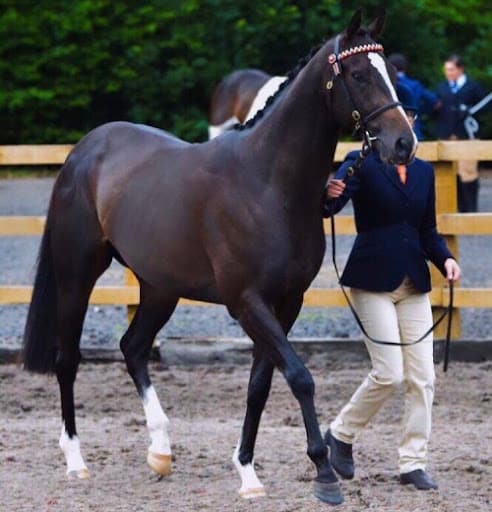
(387, 271)
(427, 101)
(456, 94)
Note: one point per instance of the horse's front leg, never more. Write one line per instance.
(258, 390)
(260, 323)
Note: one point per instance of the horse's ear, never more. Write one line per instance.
(354, 24)
(376, 27)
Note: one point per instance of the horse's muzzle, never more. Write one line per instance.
(403, 150)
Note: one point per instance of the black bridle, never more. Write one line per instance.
(335, 59)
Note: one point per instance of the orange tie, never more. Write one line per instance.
(402, 173)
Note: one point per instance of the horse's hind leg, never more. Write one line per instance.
(75, 282)
(72, 306)
(258, 391)
(80, 255)
(153, 312)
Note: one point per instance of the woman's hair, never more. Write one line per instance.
(456, 60)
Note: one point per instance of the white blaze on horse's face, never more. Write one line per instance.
(378, 62)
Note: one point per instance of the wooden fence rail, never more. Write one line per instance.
(443, 155)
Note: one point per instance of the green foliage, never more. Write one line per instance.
(66, 67)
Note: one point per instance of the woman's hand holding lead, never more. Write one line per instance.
(335, 188)
(453, 270)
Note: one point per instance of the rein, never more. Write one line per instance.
(366, 148)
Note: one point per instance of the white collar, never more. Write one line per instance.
(461, 81)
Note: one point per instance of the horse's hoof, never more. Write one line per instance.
(253, 492)
(328, 492)
(159, 463)
(81, 474)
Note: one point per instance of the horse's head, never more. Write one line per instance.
(360, 92)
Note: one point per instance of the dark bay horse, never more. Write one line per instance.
(235, 221)
(238, 97)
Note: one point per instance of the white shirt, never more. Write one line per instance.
(459, 83)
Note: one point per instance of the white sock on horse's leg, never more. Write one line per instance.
(71, 448)
(159, 454)
(251, 487)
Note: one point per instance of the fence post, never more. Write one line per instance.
(446, 202)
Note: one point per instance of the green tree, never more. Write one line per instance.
(66, 67)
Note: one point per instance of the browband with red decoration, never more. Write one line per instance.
(336, 57)
(365, 48)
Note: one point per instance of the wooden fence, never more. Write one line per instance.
(443, 155)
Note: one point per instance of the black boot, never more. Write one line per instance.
(468, 196)
(340, 456)
(473, 188)
(419, 478)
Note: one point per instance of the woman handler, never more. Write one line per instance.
(387, 271)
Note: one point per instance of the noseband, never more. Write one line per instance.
(335, 59)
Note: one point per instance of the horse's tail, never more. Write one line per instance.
(39, 344)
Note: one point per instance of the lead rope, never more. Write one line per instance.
(366, 148)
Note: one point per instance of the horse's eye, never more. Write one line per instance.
(357, 76)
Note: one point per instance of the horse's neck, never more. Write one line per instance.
(298, 137)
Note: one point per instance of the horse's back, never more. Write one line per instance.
(116, 134)
(118, 148)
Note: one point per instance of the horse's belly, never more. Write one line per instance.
(167, 262)
(160, 242)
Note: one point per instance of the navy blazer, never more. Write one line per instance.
(451, 118)
(396, 225)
